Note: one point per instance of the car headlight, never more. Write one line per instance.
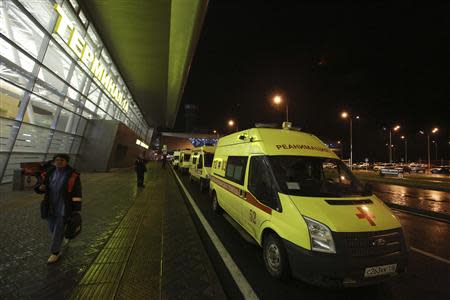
(321, 237)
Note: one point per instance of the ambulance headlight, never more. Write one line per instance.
(321, 237)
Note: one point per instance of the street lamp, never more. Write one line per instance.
(434, 130)
(406, 148)
(232, 123)
(277, 100)
(345, 115)
(396, 128)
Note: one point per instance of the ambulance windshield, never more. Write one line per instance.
(315, 177)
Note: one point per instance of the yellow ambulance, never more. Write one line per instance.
(305, 208)
(176, 159)
(185, 161)
(200, 169)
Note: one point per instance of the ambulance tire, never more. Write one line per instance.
(215, 204)
(275, 257)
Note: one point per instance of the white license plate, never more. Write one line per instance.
(380, 270)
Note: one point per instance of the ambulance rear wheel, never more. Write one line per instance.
(215, 204)
(275, 257)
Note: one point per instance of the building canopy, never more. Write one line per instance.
(152, 42)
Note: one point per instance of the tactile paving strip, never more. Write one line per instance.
(103, 276)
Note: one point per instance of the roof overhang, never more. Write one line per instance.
(152, 43)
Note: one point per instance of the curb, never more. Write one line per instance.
(443, 217)
(440, 189)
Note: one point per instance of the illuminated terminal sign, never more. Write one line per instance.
(141, 143)
(86, 54)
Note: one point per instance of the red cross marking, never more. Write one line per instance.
(363, 214)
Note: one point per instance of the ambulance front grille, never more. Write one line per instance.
(375, 243)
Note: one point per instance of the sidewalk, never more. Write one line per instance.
(134, 244)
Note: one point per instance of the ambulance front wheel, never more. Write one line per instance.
(215, 204)
(275, 257)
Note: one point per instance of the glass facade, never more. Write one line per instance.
(48, 90)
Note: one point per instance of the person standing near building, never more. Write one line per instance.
(140, 168)
(62, 188)
(164, 160)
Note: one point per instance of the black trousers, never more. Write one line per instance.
(140, 178)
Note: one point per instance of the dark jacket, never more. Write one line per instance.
(72, 190)
(139, 165)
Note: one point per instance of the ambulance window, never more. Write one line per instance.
(235, 170)
(194, 160)
(261, 182)
(199, 165)
(208, 158)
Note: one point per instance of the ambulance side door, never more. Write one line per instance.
(235, 173)
(199, 166)
(262, 195)
(193, 161)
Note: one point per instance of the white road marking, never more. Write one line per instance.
(431, 255)
(237, 275)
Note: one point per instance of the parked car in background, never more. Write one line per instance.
(418, 168)
(406, 168)
(378, 167)
(441, 170)
(394, 169)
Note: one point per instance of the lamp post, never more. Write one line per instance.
(406, 148)
(278, 100)
(434, 130)
(345, 115)
(435, 149)
(396, 128)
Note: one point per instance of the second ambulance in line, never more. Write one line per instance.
(305, 208)
(185, 161)
(200, 169)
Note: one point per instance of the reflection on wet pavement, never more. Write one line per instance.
(424, 199)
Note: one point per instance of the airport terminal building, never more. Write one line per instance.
(62, 92)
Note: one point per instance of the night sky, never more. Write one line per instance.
(388, 63)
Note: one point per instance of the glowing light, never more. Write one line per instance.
(277, 99)
(344, 114)
(397, 127)
(141, 143)
(435, 129)
(230, 123)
